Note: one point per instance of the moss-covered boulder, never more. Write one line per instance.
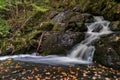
(57, 42)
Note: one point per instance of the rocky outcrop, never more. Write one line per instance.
(72, 21)
(108, 50)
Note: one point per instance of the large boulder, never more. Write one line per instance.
(56, 42)
(108, 50)
(72, 21)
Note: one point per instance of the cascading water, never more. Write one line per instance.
(80, 54)
(85, 49)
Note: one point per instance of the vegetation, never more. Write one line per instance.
(20, 20)
(18, 24)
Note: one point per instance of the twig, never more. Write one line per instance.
(40, 41)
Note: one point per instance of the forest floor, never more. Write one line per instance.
(14, 70)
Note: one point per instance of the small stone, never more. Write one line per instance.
(93, 77)
(64, 74)
(48, 73)
(107, 79)
(84, 74)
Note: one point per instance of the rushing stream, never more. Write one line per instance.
(82, 53)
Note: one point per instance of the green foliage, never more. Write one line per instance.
(40, 8)
(47, 1)
(46, 26)
(2, 3)
(3, 26)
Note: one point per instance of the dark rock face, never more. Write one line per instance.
(115, 26)
(108, 51)
(56, 42)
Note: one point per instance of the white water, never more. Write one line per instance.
(80, 54)
(85, 50)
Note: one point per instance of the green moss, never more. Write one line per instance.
(3, 26)
(46, 26)
(2, 3)
(20, 43)
(50, 26)
(32, 34)
(40, 8)
(55, 28)
(73, 2)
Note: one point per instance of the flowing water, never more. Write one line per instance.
(85, 50)
(82, 53)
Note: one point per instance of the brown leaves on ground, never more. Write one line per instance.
(14, 70)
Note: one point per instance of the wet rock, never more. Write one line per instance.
(57, 42)
(98, 29)
(35, 54)
(108, 50)
(115, 26)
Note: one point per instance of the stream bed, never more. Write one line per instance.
(16, 70)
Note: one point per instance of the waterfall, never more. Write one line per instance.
(85, 50)
(82, 53)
